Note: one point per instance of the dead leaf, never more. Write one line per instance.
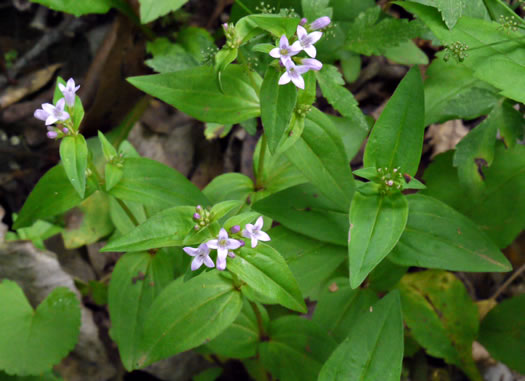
(444, 137)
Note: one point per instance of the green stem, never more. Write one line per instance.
(246, 9)
(260, 324)
(496, 43)
(128, 212)
(260, 169)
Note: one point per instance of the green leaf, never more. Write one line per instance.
(276, 25)
(339, 308)
(153, 9)
(296, 349)
(369, 35)
(502, 332)
(154, 184)
(210, 374)
(376, 223)
(312, 262)
(348, 10)
(37, 233)
(313, 9)
(386, 275)
(77, 8)
(492, 50)
(277, 106)
(107, 148)
(89, 222)
(113, 173)
(223, 58)
(373, 349)
(47, 376)
(304, 211)
(451, 10)
(452, 92)
(264, 271)
(169, 57)
(185, 315)
(121, 220)
(167, 228)
(397, 137)
(499, 209)
(319, 154)
(407, 53)
(353, 131)
(195, 92)
(33, 341)
(436, 236)
(441, 317)
(228, 186)
(52, 195)
(497, 9)
(138, 278)
(74, 155)
(240, 340)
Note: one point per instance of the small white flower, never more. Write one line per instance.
(201, 255)
(306, 41)
(223, 244)
(293, 73)
(69, 91)
(284, 51)
(254, 232)
(320, 23)
(52, 114)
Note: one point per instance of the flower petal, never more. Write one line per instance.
(48, 107)
(208, 262)
(301, 32)
(50, 120)
(275, 52)
(259, 223)
(298, 81)
(233, 244)
(63, 116)
(285, 78)
(311, 51)
(262, 236)
(197, 262)
(60, 104)
(223, 234)
(204, 249)
(315, 36)
(41, 114)
(296, 47)
(213, 244)
(283, 42)
(61, 87)
(191, 251)
(221, 263)
(254, 241)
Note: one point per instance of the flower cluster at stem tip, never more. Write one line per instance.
(389, 179)
(307, 36)
(57, 114)
(224, 244)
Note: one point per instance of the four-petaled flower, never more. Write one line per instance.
(306, 41)
(293, 73)
(253, 232)
(69, 91)
(201, 255)
(284, 51)
(223, 244)
(52, 114)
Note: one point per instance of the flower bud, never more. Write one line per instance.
(65, 130)
(242, 243)
(320, 23)
(390, 183)
(198, 208)
(231, 254)
(303, 21)
(196, 216)
(225, 26)
(235, 229)
(196, 227)
(52, 134)
(312, 64)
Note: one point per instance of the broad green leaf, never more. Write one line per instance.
(265, 271)
(138, 278)
(228, 186)
(397, 137)
(348, 10)
(319, 154)
(498, 9)
(376, 223)
(167, 228)
(407, 53)
(195, 41)
(502, 332)
(210, 374)
(499, 209)
(339, 308)
(350, 66)
(77, 8)
(373, 349)
(47, 376)
(436, 236)
(153, 9)
(369, 35)
(107, 148)
(296, 349)
(169, 57)
(451, 10)
(89, 222)
(491, 50)
(52, 195)
(313, 9)
(74, 155)
(223, 58)
(240, 340)
(185, 315)
(441, 317)
(386, 275)
(32, 341)
(154, 184)
(112, 175)
(303, 210)
(353, 131)
(37, 233)
(277, 25)
(195, 92)
(118, 211)
(452, 92)
(277, 107)
(312, 262)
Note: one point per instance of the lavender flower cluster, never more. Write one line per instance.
(224, 245)
(306, 38)
(52, 114)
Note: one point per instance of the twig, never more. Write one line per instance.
(507, 283)
(68, 26)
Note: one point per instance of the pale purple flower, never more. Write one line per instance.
(223, 244)
(303, 21)
(201, 255)
(320, 23)
(196, 216)
(255, 233)
(306, 41)
(312, 64)
(52, 134)
(51, 114)
(284, 51)
(65, 130)
(235, 229)
(293, 73)
(69, 91)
